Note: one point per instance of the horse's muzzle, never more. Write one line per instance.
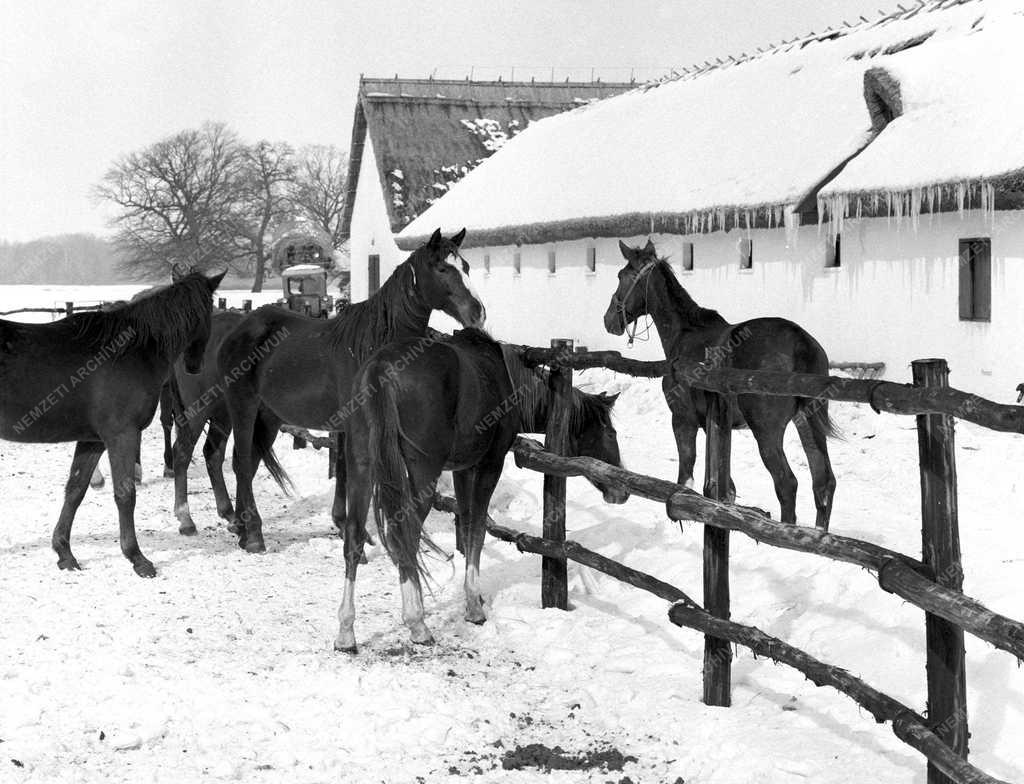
(613, 321)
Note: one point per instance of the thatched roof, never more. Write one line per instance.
(748, 141)
(428, 133)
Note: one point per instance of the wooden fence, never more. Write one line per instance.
(932, 583)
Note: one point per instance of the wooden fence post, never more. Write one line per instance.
(717, 652)
(940, 535)
(554, 585)
(69, 309)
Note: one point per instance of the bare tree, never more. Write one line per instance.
(264, 200)
(177, 202)
(320, 185)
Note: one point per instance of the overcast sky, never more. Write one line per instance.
(82, 83)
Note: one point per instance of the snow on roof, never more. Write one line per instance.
(959, 133)
(736, 144)
(301, 269)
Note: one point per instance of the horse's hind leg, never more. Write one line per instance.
(122, 462)
(214, 449)
(358, 503)
(408, 574)
(338, 511)
(87, 455)
(814, 438)
(184, 445)
(487, 474)
(166, 424)
(769, 443)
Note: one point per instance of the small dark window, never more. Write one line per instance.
(551, 262)
(487, 263)
(373, 273)
(746, 254)
(517, 262)
(687, 257)
(975, 280)
(591, 259)
(833, 253)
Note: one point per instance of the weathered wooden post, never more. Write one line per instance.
(246, 305)
(717, 652)
(554, 581)
(69, 309)
(222, 303)
(940, 544)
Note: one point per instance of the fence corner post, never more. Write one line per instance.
(554, 586)
(940, 544)
(717, 652)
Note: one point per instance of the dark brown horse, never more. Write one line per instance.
(648, 286)
(431, 405)
(95, 378)
(197, 400)
(285, 368)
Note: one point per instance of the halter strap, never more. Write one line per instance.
(620, 302)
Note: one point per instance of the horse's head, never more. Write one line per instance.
(629, 302)
(595, 436)
(192, 356)
(441, 279)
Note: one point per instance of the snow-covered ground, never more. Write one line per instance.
(221, 668)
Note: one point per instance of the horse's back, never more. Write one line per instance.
(770, 343)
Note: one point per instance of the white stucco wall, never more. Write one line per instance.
(894, 299)
(370, 231)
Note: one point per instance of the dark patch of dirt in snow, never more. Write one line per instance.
(537, 755)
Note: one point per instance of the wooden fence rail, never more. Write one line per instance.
(885, 396)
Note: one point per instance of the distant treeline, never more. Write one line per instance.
(65, 259)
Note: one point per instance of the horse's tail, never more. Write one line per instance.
(263, 436)
(814, 411)
(394, 503)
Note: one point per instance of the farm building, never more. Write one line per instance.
(412, 139)
(866, 182)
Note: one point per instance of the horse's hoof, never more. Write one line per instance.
(362, 558)
(144, 569)
(479, 620)
(228, 513)
(255, 546)
(235, 528)
(168, 473)
(426, 640)
(187, 530)
(352, 650)
(69, 564)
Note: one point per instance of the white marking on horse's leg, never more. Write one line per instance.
(346, 640)
(688, 484)
(474, 601)
(412, 612)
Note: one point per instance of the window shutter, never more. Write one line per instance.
(966, 287)
(982, 253)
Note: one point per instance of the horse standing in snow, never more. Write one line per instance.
(457, 404)
(688, 332)
(286, 368)
(95, 378)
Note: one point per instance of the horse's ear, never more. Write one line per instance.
(213, 282)
(649, 247)
(435, 240)
(628, 253)
(458, 238)
(610, 399)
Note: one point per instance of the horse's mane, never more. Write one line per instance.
(530, 392)
(694, 314)
(164, 317)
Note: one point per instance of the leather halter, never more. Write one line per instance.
(619, 303)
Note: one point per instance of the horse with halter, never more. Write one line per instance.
(688, 332)
(95, 378)
(427, 406)
(286, 368)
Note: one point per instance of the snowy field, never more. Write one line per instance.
(221, 668)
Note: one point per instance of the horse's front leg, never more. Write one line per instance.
(122, 449)
(487, 474)
(684, 427)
